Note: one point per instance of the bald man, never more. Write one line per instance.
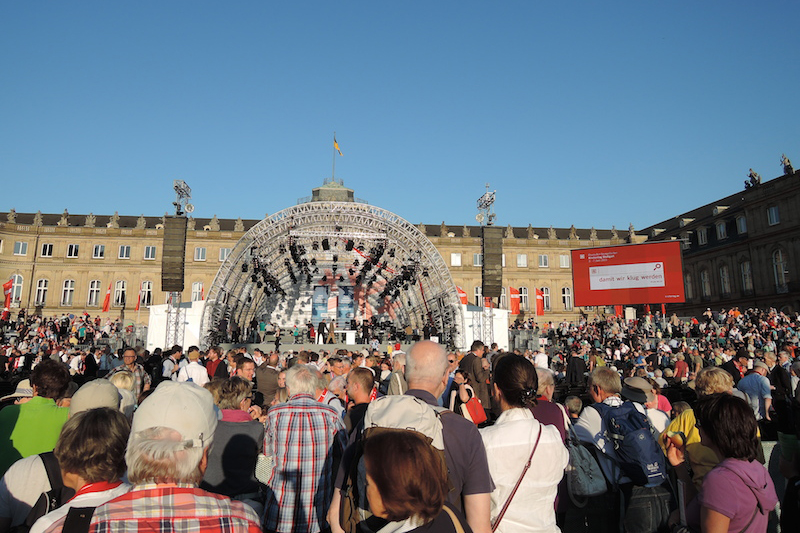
(427, 374)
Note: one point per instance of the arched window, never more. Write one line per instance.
(724, 279)
(524, 305)
(41, 293)
(68, 292)
(687, 286)
(705, 284)
(94, 293)
(746, 270)
(197, 291)
(479, 296)
(16, 287)
(147, 293)
(546, 298)
(120, 290)
(780, 269)
(566, 298)
(503, 299)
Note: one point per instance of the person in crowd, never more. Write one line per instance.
(281, 394)
(141, 379)
(758, 390)
(359, 388)
(167, 454)
(306, 438)
(27, 479)
(640, 390)
(267, 377)
(238, 440)
(215, 365)
(737, 494)
(576, 369)
(33, 427)
(544, 410)
(124, 382)
(194, 371)
(460, 392)
(171, 365)
(681, 368)
(476, 365)
(574, 407)
(91, 455)
(410, 490)
(509, 443)
(397, 380)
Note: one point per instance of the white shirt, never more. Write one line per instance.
(89, 499)
(508, 445)
(540, 360)
(194, 371)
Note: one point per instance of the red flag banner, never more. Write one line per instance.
(618, 311)
(107, 300)
(539, 302)
(462, 295)
(514, 297)
(663, 310)
(7, 287)
(647, 309)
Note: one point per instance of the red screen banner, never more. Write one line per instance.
(626, 275)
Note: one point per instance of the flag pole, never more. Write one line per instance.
(333, 172)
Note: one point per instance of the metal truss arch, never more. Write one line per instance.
(393, 270)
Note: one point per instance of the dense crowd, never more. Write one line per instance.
(669, 411)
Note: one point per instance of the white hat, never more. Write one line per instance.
(24, 390)
(94, 394)
(185, 407)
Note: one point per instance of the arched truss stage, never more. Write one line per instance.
(361, 253)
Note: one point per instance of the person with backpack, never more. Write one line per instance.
(629, 457)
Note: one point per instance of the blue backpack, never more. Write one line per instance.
(638, 454)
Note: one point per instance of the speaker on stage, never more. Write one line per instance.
(173, 254)
(492, 269)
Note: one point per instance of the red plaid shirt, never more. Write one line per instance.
(173, 507)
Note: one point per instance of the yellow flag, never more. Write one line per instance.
(336, 145)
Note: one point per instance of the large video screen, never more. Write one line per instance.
(629, 274)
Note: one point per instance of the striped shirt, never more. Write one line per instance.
(303, 436)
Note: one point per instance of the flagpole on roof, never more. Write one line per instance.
(333, 172)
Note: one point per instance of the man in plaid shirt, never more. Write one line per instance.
(167, 454)
(307, 439)
(141, 379)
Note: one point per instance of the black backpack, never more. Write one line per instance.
(57, 496)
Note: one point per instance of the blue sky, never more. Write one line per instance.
(585, 113)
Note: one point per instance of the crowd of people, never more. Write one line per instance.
(430, 440)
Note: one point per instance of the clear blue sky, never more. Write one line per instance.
(585, 113)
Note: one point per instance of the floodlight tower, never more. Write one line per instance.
(172, 263)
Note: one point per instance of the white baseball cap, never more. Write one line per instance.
(185, 407)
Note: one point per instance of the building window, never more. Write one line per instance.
(503, 260)
(747, 275)
(150, 253)
(68, 292)
(199, 254)
(687, 286)
(546, 298)
(455, 260)
(20, 248)
(197, 291)
(702, 236)
(524, 304)
(225, 252)
(544, 261)
(120, 289)
(72, 250)
(705, 284)
(147, 293)
(479, 296)
(741, 225)
(522, 260)
(47, 250)
(477, 260)
(722, 231)
(685, 243)
(773, 216)
(41, 293)
(94, 293)
(503, 299)
(99, 251)
(724, 280)
(563, 261)
(780, 269)
(16, 287)
(566, 298)
(125, 251)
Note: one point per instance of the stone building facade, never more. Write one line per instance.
(742, 250)
(66, 263)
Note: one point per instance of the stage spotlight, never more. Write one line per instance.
(308, 279)
(351, 271)
(335, 258)
(244, 267)
(313, 261)
(349, 246)
(326, 245)
(315, 246)
(341, 278)
(253, 278)
(355, 263)
(259, 284)
(324, 279)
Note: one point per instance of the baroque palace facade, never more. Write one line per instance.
(65, 263)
